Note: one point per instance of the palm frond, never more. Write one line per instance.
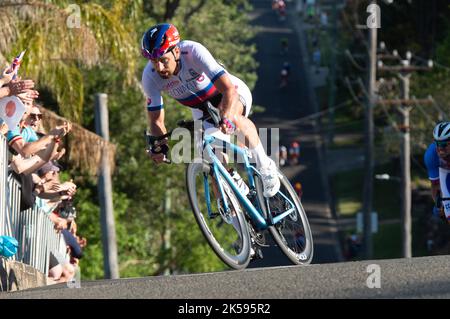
(55, 51)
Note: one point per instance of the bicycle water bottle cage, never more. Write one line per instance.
(214, 112)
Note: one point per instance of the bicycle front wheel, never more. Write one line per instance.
(292, 233)
(225, 231)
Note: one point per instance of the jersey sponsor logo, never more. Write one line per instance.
(149, 101)
(171, 85)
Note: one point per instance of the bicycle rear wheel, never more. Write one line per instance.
(225, 232)
(292, 233)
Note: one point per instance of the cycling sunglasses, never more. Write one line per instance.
(154, 55)
(442, 144)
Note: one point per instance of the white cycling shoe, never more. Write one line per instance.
(270, 179)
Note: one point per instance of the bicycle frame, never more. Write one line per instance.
(217, 167)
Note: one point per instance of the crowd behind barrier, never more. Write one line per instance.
(37, 216)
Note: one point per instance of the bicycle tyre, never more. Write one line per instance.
(239, 261)
(279, 235)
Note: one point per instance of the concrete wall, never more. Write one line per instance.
(18, 276)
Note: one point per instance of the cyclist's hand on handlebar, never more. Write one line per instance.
(158, 152)
(227, 126)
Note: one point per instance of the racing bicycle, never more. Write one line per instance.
(235, 225)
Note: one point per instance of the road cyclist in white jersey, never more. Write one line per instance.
(437, 161)
(187, 71)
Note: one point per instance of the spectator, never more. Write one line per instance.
(283, 155)
(60, 268)
(24, 140)
(6, 77)
(20, 88)
(285, 72)
(294, 153)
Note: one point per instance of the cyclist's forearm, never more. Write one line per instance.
(157, 126)
(435, 191)
(226, 103)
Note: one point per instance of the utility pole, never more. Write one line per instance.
(110, 263)
(406, 169)
(369, 144)
(404, 72)
(167, 232)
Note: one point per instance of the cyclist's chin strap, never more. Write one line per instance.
(176, 60)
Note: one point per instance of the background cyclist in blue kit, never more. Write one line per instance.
(437, 161)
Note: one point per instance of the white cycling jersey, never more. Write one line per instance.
(194, 83)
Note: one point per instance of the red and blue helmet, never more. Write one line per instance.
(158, 40)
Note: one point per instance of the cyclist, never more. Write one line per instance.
(282, 10)
(187, 71)
(294, 153)
(437, 161)
(284, 75)
(283, 155)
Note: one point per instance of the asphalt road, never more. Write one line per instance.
(283, 109)
(425, 277)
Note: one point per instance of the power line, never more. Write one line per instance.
(434, 62)
(319, 114)
(352, 92)
(423, 111)
(349, 55)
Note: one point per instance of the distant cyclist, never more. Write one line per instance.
(283, 155)
(437, 161)
(284, 74)
(294, 153)
(187, 71)
(282, 10)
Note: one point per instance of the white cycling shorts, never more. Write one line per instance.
(245, 96)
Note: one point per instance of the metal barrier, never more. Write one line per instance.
(32, 228)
